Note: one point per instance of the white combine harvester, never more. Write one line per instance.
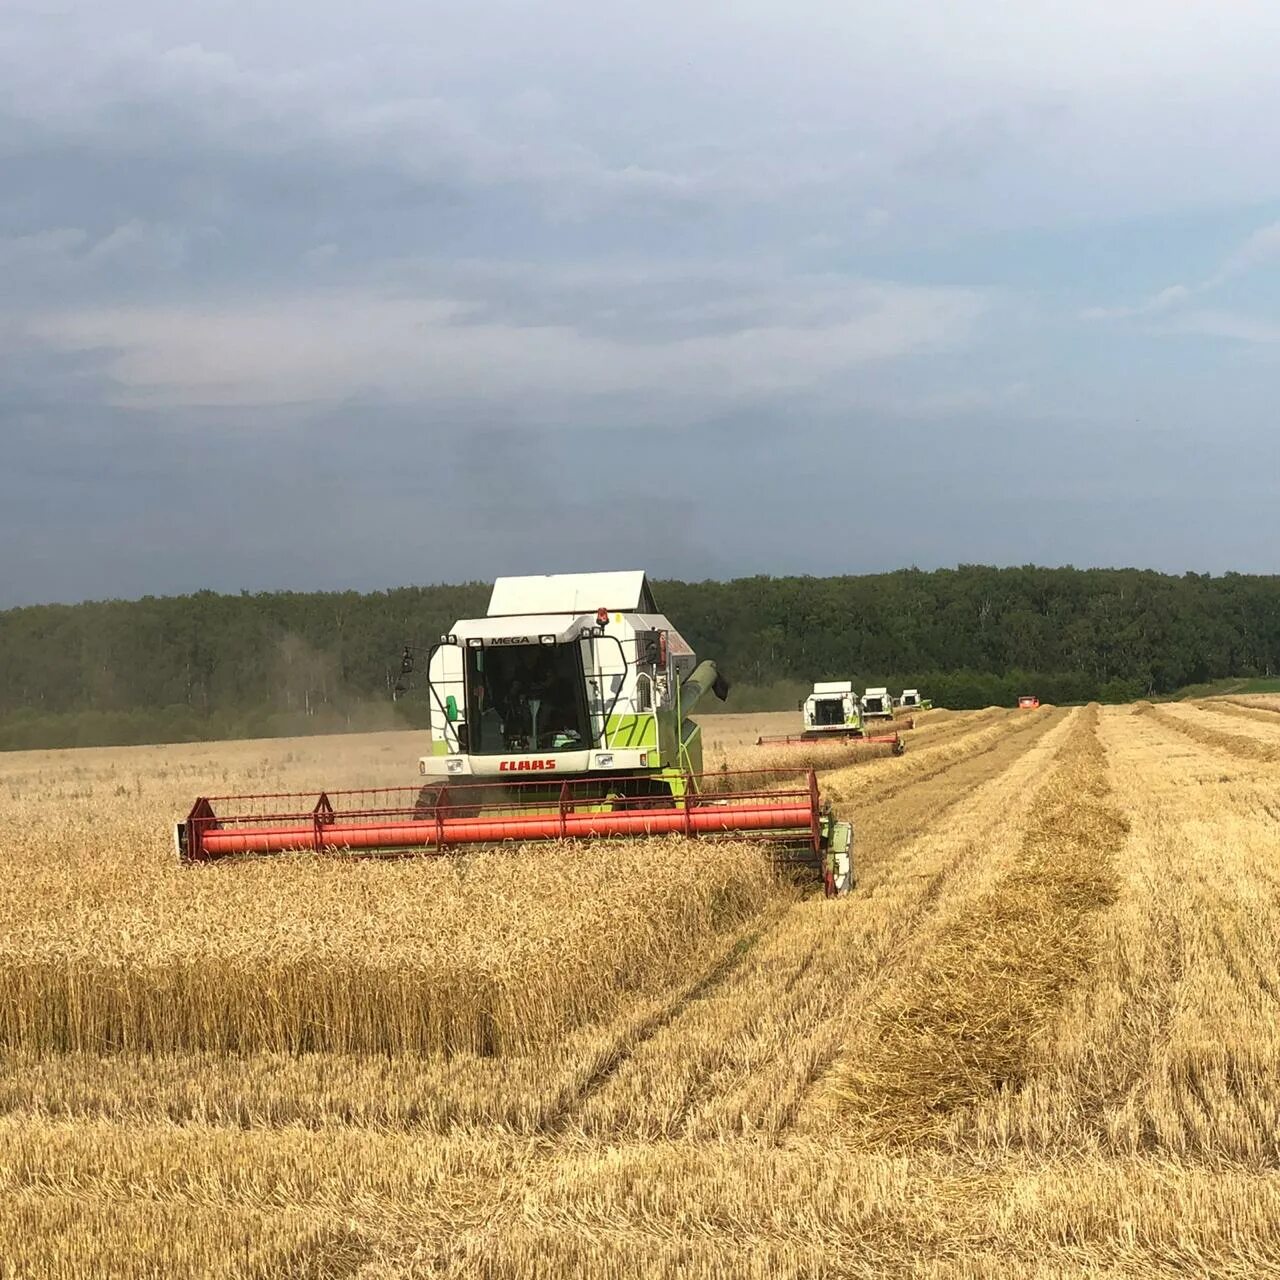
(552, 680)
(833, 713)
(877, 704)
(912, 701)
(560, 715)
(832, 710)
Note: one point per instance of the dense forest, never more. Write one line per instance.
(209, 665)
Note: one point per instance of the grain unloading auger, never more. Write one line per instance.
(561, 715)
(833, 713)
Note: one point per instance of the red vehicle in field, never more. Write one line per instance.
(1028, 701)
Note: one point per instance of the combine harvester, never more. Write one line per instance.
(877, 704)
(833, 713)
(912, 701)
(561, 715)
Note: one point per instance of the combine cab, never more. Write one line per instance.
(561, 715)
(912, 701)
(833, 713)
(832, 710)
(877, 704)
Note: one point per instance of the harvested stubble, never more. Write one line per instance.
(1268, 702)
(818, 1209)
(1217, 713)
(963, 1024)
(1140, 1140)
(933, 751)
(1243, 709)
(71, 1236)
(1192, 722)
(1167, 1048)
(744, 1058)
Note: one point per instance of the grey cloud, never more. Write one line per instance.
(966, 148)
(205, 132)
(414, 496)
(327, 345)
(327, 297)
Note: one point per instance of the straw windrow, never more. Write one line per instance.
(963, 1024)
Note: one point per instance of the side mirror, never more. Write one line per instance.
(451, 709)
(406, 661)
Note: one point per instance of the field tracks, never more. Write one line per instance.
(571, 1101)
(962, 1024)
(743, 1059)
(930, 752)
(1263, 704)
(1166, 1049)
(1199, 722)
(1259, 712)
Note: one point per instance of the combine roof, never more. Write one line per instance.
(624, 592)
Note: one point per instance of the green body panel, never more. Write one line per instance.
(636, 731)
(675, 780)
(691, 748)
(837, 835)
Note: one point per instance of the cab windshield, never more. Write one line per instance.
(828, 711)
(526, 697)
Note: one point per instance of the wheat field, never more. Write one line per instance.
(1039, 1039)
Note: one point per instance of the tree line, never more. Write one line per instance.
(210, 665)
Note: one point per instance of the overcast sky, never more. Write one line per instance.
(333, 295)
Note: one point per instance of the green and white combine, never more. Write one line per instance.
(833, 709)
(833, 712)
(877, 704)
(576, 675)
(574, 693)
(563, 714)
